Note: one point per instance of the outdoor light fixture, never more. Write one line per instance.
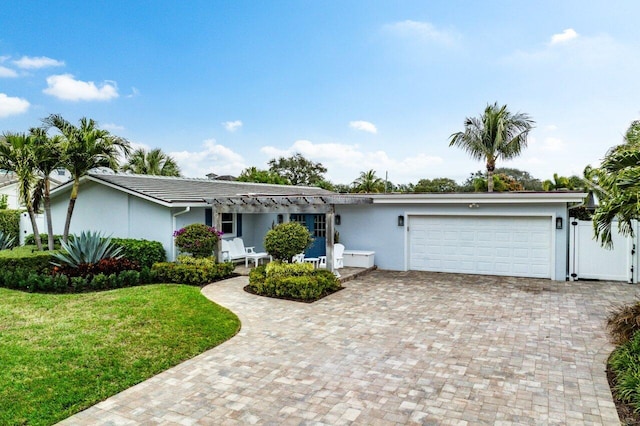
(558, 223)
(338, 219)
(400, 220)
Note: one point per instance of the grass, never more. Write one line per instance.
(60, 354)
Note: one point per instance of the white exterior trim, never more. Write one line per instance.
(480, 198)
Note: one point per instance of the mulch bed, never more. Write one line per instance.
(248, 289)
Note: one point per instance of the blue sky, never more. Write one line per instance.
(355, 85)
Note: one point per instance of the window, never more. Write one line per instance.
(228, 223)
(319, 226)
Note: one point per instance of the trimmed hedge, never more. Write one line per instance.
(193, 271)
(39, 262)
(10, 222)
(27, 280)
(145, 252)
(298, 285)
(30, 240)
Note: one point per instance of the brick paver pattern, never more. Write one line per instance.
(394, 348)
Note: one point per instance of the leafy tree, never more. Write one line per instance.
(563, 183)
(436, 185)
(17, 154)
(85, 147)
(524, 178)
(368, 182)
(405, 187)
(286, 240)
(298, 170)
(341, 188)
(49, 157)
(253, 174)
(497, 134)
(154, 162)
(619, 185)
(501, 183)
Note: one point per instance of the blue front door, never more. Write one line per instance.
(316, 225)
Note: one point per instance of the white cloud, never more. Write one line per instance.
(66, 87)
(345, 162)
(27, 62)
(214, 158)
(134, 93)
(365, 126)
(421, 31)
(7, 72)
(232, 126)
(12, 105)
(563, 37)
(112, 127)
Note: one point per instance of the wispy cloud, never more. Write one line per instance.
(422, 32)
(213, 158)
(12, 105)
(565, 36)
(232, 126)
(344, 161)
(66, 87)
(364, 126)
(32, 62)
(134, 93)
(7, 72)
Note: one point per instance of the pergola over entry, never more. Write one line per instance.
(314, 204)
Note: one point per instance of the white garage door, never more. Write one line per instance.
(512, 246)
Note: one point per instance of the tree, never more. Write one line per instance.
(253, 174)
(48, 153)
(85, 147)
(298, 170)
(524, 178)
(17, 154)
(497, 134)
(368, 182)
(563, 183)
(619, 184)
(436, 185)
(154, 162)
(501, 183)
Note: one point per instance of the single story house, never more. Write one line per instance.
(521, 234)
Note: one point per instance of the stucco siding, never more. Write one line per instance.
(375, 227)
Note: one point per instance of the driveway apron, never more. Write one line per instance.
(394, 348)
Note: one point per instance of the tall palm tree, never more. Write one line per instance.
(85, 147)
(497, 134)
(17, 154)
(154, 162)
(368, 182)
(48, 152)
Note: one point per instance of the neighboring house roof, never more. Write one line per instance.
(179, 192)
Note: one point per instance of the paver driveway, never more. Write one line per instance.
(395, 348)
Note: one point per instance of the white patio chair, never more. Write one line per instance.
(338, 253)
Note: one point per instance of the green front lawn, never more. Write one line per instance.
(60, 354)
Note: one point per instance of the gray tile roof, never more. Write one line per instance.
(174, 190)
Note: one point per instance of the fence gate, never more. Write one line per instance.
(589, 260)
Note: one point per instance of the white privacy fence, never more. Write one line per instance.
(589, 260)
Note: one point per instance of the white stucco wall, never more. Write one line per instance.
(375, 227)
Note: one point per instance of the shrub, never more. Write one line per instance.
(623, 364)
(38, 262)
(144, 252)
(30, 240)
(86, 248)
(623, 323)
(286, 240)
(198, 239)
(298, 285)
(104, 266)
(194, 271)
(273, 269)
(10, 222)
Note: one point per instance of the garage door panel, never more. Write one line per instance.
(513, 246)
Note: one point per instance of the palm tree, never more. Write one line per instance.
(48, 153)
(85, 147)
(17, 154)
(154, 162)
(618, 185)
(497, 134)
(368, 182)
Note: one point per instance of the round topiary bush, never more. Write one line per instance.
(198, 239)
(286, 240)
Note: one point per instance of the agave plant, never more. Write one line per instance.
(87, 248)
(6, 241)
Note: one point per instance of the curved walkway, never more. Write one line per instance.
(394, 348)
